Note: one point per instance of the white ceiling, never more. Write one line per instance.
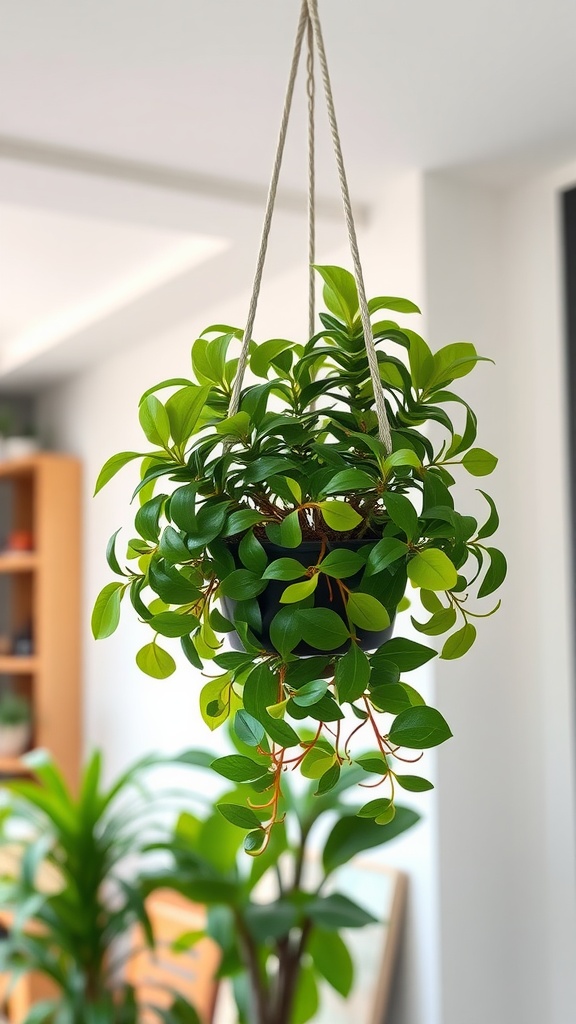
(195, 88)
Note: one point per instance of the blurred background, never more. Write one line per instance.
(136, 142)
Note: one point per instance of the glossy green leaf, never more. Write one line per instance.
(496, 573)
(440, 622)
(402, 457)
(242, 817)
(155, 661)
(290, 533)
(349, 480)
(154, 421)
(433, 570)
(414, 783)
(113, 465)
(402, 513)
(184, 409)
(479, 462)
(111, 557)
(342, 563)
(173, 624)
(285, 631)
(367, 612)
(248, 729)
(106, 613)
(352, 675)
(337, 911)
(310, 693)
(459, 643)
(340, 293)
(284, 569)
(238, 768)
(385, 553)
(339, 515)
(242, 584)
(252, 554)
(419, 728)
(299, 591)
(406, 654)
(493, 521)
(147, 520)
(316, 763)
(374, 808)
(237, 426)
(322, 628)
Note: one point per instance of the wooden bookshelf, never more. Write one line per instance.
(41, 589)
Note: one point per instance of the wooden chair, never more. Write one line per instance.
(155, 974)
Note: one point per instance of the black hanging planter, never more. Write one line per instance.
(325, 596)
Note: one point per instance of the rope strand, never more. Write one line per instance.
(243, 360)
(311, 91)
(383, 425)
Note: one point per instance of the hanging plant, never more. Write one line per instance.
(295, 516)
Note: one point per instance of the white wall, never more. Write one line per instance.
(505, 790)
(491, 930)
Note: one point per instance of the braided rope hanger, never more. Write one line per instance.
(309, 22)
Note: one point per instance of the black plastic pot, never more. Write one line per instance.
(269, 601)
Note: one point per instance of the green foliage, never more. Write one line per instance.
(288, 523)
(280, 920)
(66, 927)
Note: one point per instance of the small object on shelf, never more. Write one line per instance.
(20, 540)
(15, 724)
(23, 643)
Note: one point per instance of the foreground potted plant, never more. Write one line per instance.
(280, 920)
(15, 724)
(73, 889)
(296, 529)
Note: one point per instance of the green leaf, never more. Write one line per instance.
(392, 302)
(329, 780)
(374, 763)
(310, 692)
(106, 614)
(421, 360)
(367, 612)
(322, 628)
(459, 643)
(496, 573)
(154, 421)
(452, 361)
(433, 570)
(183, 507)
(113, 465)
(237, 426)
(242, 817)
(341, 563)
(263, 355)
(270, 920)
(384, 553)
(299, 591)
(290, 531)
(332, 959)
(402, 457)
(374, 808)
(252, 554)
(337, 911)
(284, 569)
(285, 631)
(440, 622)
(254, 841)
(351, 835)
(238, 768)
(184, 409)
(316, 763)
(147, 520)
(414, 783)
(339, 515)
(340, 293)
(172, 547)
(349, 480)
(493, 521)
(479, 462)
(306, 1000)
(248, 729)
(419, 728)
(352, 675)
(111, 555)
(241, 520)
(392, 697)
(215, 701)
(173, 624)
(402, 513)
(406, 654)
(242, 584)
(155, 661)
